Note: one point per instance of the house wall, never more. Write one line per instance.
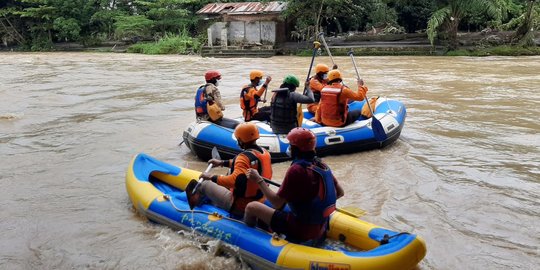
(249, 30)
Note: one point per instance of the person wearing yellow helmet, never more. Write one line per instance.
(333, 107)
(284, 100)
(317, 82)
(233, 192)
(250, 97)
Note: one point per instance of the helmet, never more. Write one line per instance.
(211, 74)
(246, 132)
(254, 74)
(321, 68)
(291, 79)
(302, 138)
(334, 74)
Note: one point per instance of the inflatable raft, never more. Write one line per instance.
(156, 191)
(202, 136)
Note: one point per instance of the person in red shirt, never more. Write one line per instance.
(309, 188)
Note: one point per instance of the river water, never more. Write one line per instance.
(464, 175)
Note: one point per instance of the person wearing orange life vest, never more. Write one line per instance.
(316, 83)
(309, 188)
(333, 107)
(233, 192)
(250, 97)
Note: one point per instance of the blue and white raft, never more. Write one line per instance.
(156, 191)
(202, 136)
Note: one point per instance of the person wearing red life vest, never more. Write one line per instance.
(333, 107)
(316, 83)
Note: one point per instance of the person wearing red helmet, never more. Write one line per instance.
(233, 192)
(208, 95)
(309, 188)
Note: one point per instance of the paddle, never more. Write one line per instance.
(215, 155)
(321, 37)
(378, 129)
(299, 112)
(351, 210)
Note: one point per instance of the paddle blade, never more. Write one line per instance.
(351, 211)
(299, 115)
(215, 153)
(378, 129)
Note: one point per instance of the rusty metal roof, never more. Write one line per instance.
(243, 8)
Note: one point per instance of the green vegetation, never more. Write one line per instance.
(172, 26)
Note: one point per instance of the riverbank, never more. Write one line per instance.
(471, 44)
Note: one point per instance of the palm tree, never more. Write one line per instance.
(449, 16)
(523, 34)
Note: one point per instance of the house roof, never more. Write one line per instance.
(243, 8)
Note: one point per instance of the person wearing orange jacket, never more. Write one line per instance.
(233, 192)
(250, 97)
(309, 189)
(316, 83)
(333, 107)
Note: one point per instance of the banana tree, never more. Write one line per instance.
(449, 16)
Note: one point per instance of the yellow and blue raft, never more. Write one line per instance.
(156, 190)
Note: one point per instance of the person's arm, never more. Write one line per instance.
(241, 166)
(339, 190)
(263, 88)
(276, 201)
(298, 98)
(347, 93)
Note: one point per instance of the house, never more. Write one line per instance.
(244, 26)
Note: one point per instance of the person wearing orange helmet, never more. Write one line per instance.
(333, 107)
(316, 83)
(208, 95)
(309, 188)
(233, 192)
(250, 97)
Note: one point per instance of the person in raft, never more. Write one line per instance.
(309, 188)
(208, 104)
(208, 94)
(333, 107)
(316, 83)
(233, 192)
(284, 100)
(250, 97)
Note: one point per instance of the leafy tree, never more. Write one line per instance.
(132, 27)
(450, 14)
(67, 29)
(413, 15)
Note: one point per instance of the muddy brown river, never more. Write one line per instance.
(464, 175)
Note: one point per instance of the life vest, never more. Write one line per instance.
(318, 210)
(248, 105)
(201, 101)
(244, 190)
(332, 112)
(366, 112)
(283, 112)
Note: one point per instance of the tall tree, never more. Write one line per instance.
(523, 34)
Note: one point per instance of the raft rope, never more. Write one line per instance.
(386, 238)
